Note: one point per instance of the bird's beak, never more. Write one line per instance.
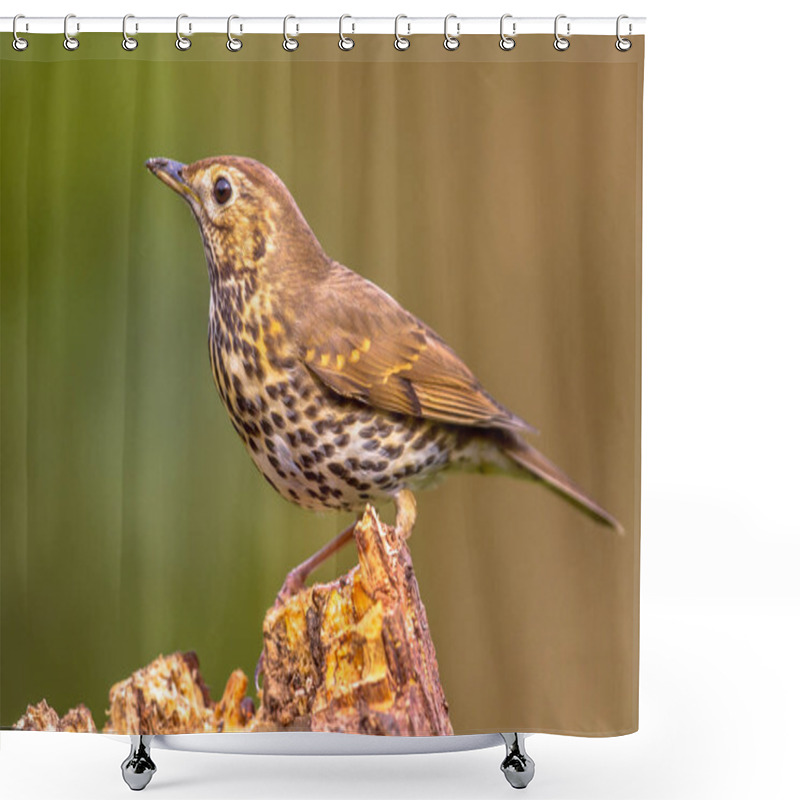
(171, 172)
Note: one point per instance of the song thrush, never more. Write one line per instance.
(340, 395)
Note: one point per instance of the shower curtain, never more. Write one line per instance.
(496, 197)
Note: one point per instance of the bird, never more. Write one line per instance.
(341, 396)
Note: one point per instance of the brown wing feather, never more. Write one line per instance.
(362, 344)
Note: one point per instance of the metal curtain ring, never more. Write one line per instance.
(451, 42)
(128, 42)
(18, 43)
(233, 44)
(70, 42)
(181, 42)
(400, 42)
(623, 45)
(560, 42)
(345, 42)
(507, 42)
(290, 44)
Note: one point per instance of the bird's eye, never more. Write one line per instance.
(222, 191)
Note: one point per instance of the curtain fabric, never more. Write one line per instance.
(495, 195)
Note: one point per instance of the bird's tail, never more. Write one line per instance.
(533, 462)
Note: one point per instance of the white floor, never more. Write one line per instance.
(719, 706)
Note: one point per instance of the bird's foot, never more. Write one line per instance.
(296, 580)
(294, 584)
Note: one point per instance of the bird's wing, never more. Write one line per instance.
(362, 344)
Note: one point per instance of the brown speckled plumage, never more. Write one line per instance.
(340, 395)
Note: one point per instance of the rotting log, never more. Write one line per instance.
(169, 695)
(355, 655)
(42, 717)
(351, 656)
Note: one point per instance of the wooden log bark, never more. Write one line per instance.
(355, 655)
(351, 656)
(169, 695)
(42, 717)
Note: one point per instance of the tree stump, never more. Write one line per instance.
(42, 717)
(355, 655)
(169, 695)
(351, 656)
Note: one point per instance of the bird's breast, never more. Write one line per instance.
(247, 355)
(318, 449)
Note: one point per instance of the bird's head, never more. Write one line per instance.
(250, 224)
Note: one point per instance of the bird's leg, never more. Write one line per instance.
(405, 517)
(296, 579)
(406, 512)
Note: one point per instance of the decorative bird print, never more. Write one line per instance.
(341, 396)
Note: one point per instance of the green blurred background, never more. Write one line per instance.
(495, 195)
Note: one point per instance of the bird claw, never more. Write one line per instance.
(293, 584)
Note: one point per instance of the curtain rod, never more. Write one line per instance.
(406, 26)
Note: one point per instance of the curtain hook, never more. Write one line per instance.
(623, 45)
(19, 43)
(451, 42)
(345, 42)
(70, 42)
(128, 42)
(560, 42)
(507, 42)
(400, 42)
(233, 44)
(290, 44)
(181, 42)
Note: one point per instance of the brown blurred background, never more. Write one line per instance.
(496, 195)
